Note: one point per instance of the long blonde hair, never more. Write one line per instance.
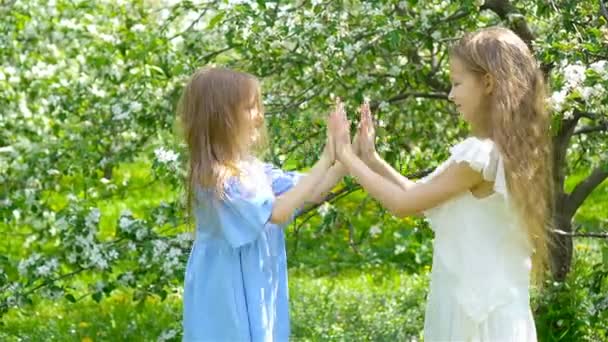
(519, 124)
(213, 112)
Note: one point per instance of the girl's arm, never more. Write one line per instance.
(329, 181)
(455, 180)
(384, 169)
(335, 173)
(367, 148)
(286, 204)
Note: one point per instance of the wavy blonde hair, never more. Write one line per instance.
(519, 123)
(217, 127)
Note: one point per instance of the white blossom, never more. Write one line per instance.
(118, 113)
(131, 246)
(400, 249)
(558, 98)
(127, 278)
(160, 219)
(599, 67)
(383, 105)
(184, 238)
(72, 257)
(165, 156)
(97, 259)
(25, 264)
(569, 114)
(92, 219)
(574, 74)
(174, 252)
(159, 247)
(324, 209)
(170, 264)
(43, 270)
(98, 286)
(138, 28)
(113, 254)
(167, 335)
(135, 106)
(125, 223)
(588, 93)
(141, 233)
(375, 230)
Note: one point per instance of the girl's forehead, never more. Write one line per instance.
(456, 65)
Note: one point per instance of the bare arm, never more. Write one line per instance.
(401, 202)
(453, 181)
(286, 204)
(321, 179)
(384, 169)
(365, 144)
(333, 176)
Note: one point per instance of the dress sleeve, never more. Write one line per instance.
(484, 157)
(243, 215)
(281, 181)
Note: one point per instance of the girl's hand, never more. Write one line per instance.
(366, 133)
(339, 130)
(329, 152)
(356, 144)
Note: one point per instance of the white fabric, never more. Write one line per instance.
(480, 278)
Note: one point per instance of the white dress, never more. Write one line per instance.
(479, 287)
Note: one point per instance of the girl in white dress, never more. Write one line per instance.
(488, 204)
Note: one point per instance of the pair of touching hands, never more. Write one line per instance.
(339, 146)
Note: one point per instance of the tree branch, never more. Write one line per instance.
(400, 97)
(506, 11)
(206, 58)
(584, 188)
(459, 14)
(603, 10)
(403, 96)
(573, 234)
(591, 129)
(194, 22)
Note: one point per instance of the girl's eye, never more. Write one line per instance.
(455, 84)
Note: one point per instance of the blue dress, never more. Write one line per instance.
(235, 287)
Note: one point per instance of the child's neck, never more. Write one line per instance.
(481, 132)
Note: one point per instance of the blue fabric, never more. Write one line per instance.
(235, 287)
(281, 180)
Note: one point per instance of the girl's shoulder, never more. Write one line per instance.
(480, 154)
(474, 148)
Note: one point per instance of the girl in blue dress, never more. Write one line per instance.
(235, 286)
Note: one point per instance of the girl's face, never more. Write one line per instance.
(468, 92)
(256, 121)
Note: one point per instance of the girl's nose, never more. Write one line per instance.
(451, 95)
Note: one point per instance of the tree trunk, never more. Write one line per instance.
(561, 245)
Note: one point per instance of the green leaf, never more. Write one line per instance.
(97, 296)
(216, 20)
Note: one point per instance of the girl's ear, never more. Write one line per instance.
(488, 84)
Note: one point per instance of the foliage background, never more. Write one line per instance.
(94, 237)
